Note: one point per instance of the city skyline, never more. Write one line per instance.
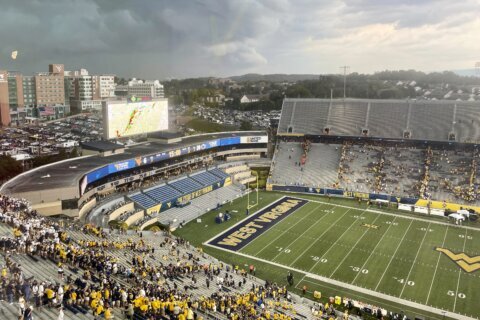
(161, 39)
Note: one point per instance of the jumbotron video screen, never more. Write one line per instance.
(134, 118)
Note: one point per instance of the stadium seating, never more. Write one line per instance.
(162, 193)
(205, 178)
(142, 200)
(403, 169)
(219, 173)
(199, 205)
(306, 115)
(285, 171)
(321, 167)
(425, 119)
(108, 258)
(185, 185)
(347, 119)
(387, 119)
(431, 121)
(467, 122)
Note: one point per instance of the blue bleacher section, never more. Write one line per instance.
(219, 173)
(186, 185)
(172, 190)
(163, 193)
(206, 178)
(143, 200)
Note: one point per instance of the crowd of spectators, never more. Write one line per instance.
(98, 281)
(392, 169)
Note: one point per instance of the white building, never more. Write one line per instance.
(85, 87)
(85, 105)
(106, 85)
(249, 98)
(139, 88)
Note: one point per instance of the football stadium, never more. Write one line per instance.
(347, 208)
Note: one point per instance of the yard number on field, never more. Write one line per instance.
(402, 281)
(357, 269)
(463, 236)
(280, 249)
(315, 258)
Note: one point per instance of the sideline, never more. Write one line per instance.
(400, 215)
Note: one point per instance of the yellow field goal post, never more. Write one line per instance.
(250, 204)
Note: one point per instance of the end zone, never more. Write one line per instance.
(242, 233)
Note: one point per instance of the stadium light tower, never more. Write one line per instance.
(345, 68)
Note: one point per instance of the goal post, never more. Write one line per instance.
(254, 204)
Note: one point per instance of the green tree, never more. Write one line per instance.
(245, 125)
(9, 167)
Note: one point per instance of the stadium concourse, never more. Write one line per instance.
(54, 272)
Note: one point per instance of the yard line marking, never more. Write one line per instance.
(333, 245)
(414, 260)
(300, 236)
(371, 253)
(459, 273)
(353, 247)
(393, 214)
(281, 234)
(393, 256)
(347, 286)
(308, 248)
(436, 267)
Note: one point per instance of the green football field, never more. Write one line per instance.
(385, 253)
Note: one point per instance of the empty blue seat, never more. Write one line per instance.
(143, 200)
(186, 185)
(206, 178)
(163, 193)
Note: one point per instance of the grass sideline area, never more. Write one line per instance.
(331, 241)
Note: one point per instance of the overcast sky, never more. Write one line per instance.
(159, 39)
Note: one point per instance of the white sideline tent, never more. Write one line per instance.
(464, 213)
(457, 217)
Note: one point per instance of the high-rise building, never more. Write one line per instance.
(4, 103)
(29, 96)
(15, 90)
(139, 88)
(50, 87)
(84, 88)
(106, 86)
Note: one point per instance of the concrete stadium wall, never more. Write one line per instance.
(48, 209)
(87, 207)
(148, 223)
(243, 157)
(117, 212)
(234, 169)
(241, 175)
(50, 195)
(234, 151)
(135, 217)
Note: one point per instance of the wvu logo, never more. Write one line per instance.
(371, 226)
(468, 264)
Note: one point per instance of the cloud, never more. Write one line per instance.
(161, 38)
